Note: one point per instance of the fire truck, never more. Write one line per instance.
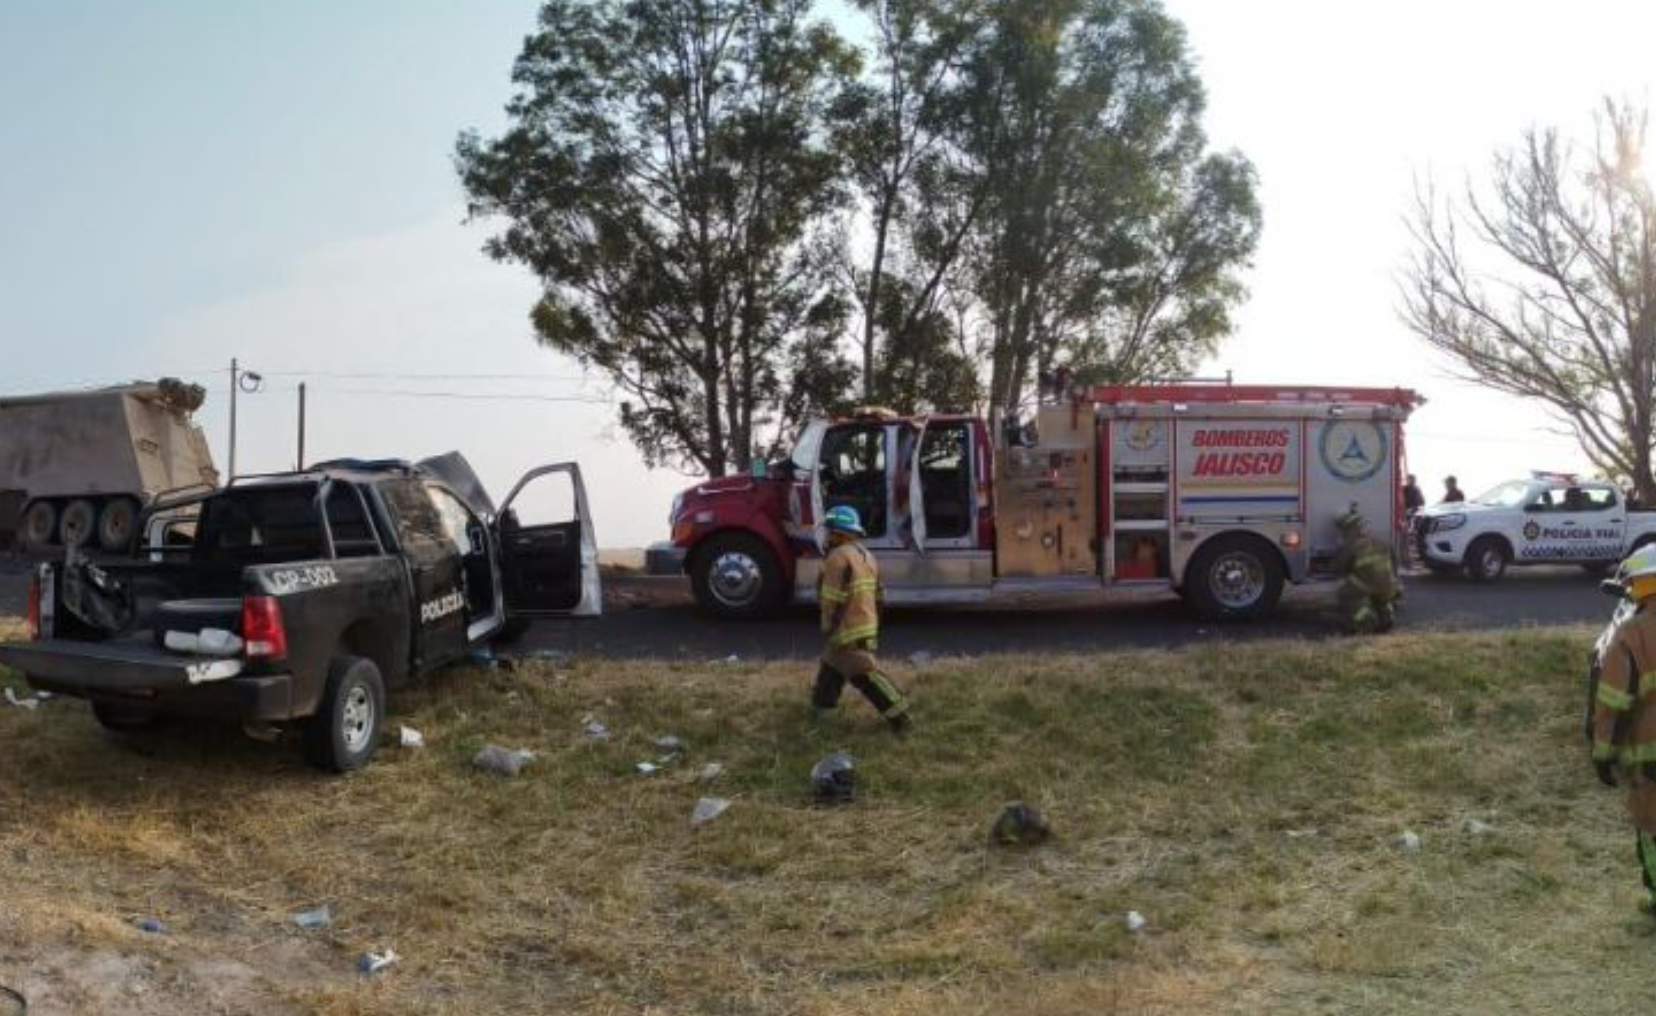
(1221, 493)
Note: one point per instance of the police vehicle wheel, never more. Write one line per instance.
(1486, 559)
(736, 576)
(345, 731)
(1234, 578)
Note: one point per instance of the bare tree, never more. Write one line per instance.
(1556, 300)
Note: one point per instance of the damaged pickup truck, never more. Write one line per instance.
(297, 599)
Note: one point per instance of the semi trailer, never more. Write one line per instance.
(84, 463)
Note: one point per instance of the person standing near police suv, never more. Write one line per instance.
(1623, 719)
(849, 592)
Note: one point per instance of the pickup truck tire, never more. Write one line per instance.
(123, 719)
(1234, 578)
(735, 576)
(345, 731)
(1487, 559)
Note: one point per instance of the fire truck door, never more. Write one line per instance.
(916, 435)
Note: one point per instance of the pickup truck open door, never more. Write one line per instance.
(548, 551)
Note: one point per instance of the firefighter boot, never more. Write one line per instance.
(886, 699)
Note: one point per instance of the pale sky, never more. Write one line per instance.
(185, 181)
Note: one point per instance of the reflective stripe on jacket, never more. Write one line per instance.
(850, 594)
(1624, 711)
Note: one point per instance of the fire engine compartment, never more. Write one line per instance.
(1125, 485)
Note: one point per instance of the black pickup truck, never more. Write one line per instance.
(296, 599)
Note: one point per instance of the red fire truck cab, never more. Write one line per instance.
(1221, 493)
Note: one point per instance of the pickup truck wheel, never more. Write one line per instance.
(1486, 559)
(735, 575)
(123, 719)
(1234, 578)
(345, 731)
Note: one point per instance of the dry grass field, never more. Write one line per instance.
(1246, 799)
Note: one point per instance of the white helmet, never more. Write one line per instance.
(1639, 564)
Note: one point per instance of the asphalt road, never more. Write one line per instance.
(671, 627)
(654, 618)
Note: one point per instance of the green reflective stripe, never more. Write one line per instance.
(864, 584)
(845, 636)
(1603, 751)
(1636, 754)
(835, 596)
(1614, 698)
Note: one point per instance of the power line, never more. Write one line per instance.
(389, 376)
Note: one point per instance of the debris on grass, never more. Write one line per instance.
(707, 809)
(150, 926)
(371, 963)
(1409, 842)
(834, 779)
(670, 743)
(29, 701)
(646, 768)
(314, 920)
(408, 737)
(595, 730)
(1020, 825)
(1477, 827)
(1302, 834)
(502, 761)
(710, 772)
(1136, 922)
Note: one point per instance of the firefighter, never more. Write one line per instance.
(849, 592)
(1369, 593)
(1624, 721)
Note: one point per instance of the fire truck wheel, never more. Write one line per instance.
(735, 575)
(1234, 578)
(1487, 559)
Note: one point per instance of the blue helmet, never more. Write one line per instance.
(844, 519)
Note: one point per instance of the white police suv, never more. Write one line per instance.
(1550, 518)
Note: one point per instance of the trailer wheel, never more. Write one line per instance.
(80, 523)
(1487, 559)
(345, 731)
(40, 525)
(735, 576)
(1234, 578)
(116, 524)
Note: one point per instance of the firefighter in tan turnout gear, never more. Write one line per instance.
(1624, 719)
(849, 592)
(1369, 593)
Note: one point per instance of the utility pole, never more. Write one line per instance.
(235, 383)
(301, 464)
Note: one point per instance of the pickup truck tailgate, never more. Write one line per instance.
(60, 664)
